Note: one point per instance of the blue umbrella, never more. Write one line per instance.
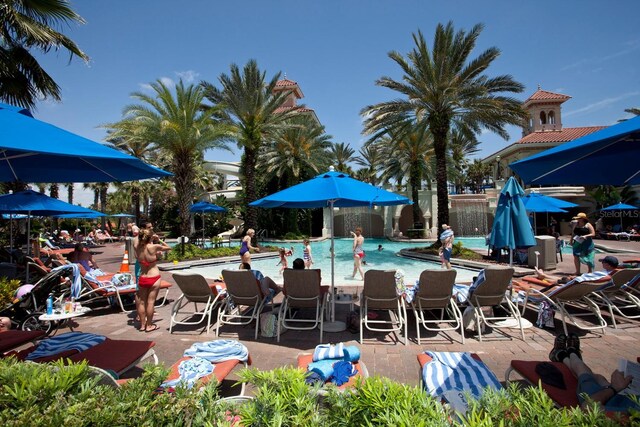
(122, 215)
(539, 203)
(620, 207)
(203, 208)
(88, 215)
(35, 151)
(511, 226)
(329, 190)
(608, 156)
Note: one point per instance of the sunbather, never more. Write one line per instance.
(609, 265)
(267, 285)
(5, 324)
(82, 256)
(592, 387)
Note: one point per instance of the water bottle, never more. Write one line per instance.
(50, 304)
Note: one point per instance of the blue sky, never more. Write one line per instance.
(336, 50)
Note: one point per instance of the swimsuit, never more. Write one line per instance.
(147, 263)
(147, 281)
(359, 251)
(244, 248)
(305, 254)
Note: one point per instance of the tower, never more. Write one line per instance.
(545, 111)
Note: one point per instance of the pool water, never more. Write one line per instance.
(386, 259)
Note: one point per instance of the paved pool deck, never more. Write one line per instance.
(383, 353)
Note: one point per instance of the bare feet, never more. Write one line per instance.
(151, 328)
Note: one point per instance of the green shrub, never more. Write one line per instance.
(195, 252)
(8, 289)
(459, 251)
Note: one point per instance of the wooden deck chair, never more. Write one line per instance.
(617, 299)
(243, 290)
(572, 293)
(195, 289)
(302, 290)
(492, 293)
(379, 294)
(435, 293)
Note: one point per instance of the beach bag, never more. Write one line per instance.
(546, 314)
(268, 325)
(353, 322)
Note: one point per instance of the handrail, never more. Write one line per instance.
(262, 233)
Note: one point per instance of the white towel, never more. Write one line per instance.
(328, 351)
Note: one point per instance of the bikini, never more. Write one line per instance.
(244, 248)
(147, 281)
(305, 254)
(358, 251)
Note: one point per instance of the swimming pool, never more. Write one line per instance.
(386, 259)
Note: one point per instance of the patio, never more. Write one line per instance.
(382, 354)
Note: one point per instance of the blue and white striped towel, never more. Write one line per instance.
(218, 350)
(328, 351)
(76, 283)
(70, 341)
(190, 370)
(457, 371)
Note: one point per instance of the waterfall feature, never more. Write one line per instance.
(471, 217)
(355, 217)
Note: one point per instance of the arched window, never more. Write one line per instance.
(552, 118)
(530, 122)
(543, 118)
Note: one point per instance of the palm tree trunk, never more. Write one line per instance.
(103, 200)
(250, 160)
(414, 182)
(70, 192)
(135, 199)
(183, 180)
(440, 149)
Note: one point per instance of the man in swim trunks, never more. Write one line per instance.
(149, 281)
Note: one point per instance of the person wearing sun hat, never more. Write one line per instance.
(582, 243)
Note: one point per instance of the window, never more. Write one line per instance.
(552, 118)
(543, 118)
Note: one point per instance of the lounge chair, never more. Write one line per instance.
(13, 339)
(305, 359)
(195, 289)
(572, 293)
(435, 293)
(243, 290)
(492, 293)
(379, 294)
(617, 299)
(301, 290)
(117, 356)
(220, 371)
(564, 398)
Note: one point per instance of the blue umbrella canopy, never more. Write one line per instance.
(604, 157)
(33, 203)
(206, 207)
(331, 189)
(620, 207)
(35, 151)
(511, 226)
(536, 202)
(88, 215)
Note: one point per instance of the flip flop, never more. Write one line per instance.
(153, 328)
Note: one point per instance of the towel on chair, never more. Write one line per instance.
(351, 353)
(457, 371)
(70, 341)
(76, 283)
(342, 371)
(324, 368)
(218, 350)
(190, 370)
(328, 351)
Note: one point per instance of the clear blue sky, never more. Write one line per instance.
(336, 50)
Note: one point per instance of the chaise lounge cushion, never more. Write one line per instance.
(12, 339)
(563, 397)
(114, 355)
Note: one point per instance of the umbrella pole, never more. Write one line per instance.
(333, 326)
(11, 237)
(202, 229)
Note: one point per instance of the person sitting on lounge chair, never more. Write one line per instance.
(267, 285)
(82, 256)
(609, 265)
(592, 387)
(5, 324)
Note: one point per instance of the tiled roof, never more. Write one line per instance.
(301, 109)
(545, 95)
(285, 83)
(564, 135)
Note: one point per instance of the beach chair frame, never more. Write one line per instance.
(242, 290)
(379, 294)
(195, 289)
(301, 290)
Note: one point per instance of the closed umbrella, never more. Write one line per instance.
(34, 151)
(329, 190)
(511, 226)
(621, 207)
(203, 208)
(606, 157)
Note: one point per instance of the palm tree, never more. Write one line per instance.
(181, 130)
(635, 111)
(54, 190)
(95, 187)
(477, 173)
(30, 25)
(341, 155)
(70, 189)
(460, 147)
(255, 111)
(446, 89)
(371, 159)
(408, 151)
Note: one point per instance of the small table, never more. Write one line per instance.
(62, 317)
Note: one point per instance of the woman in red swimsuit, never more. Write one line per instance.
(149, 280)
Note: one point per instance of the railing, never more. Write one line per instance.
(262, 234)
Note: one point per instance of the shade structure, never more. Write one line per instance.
(328, 190)
(620, 207)
(34, 151)
(203, 208)
(606, 157)
(540, 203)
(511, 226)
(88, 215)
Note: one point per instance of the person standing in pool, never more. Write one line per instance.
(306, 253)
(358, 253)
(245, 247)
(446, 238)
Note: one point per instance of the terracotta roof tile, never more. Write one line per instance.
(300, 110)
(285, 83)
(545, 95)
(564, 135)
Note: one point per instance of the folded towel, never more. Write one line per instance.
(351, 353)
(313, 378)
(190, 371)
(324, 368)
(218, 350)
(342, 371)
(70, 341)
(457, 371)
(328, 351)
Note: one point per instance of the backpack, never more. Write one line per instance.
(353, 322)
(268, 325)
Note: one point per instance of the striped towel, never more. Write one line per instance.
(190, 371)
(457, 371)
(70, 341)
(218, 351)
(76, 284)
(328, 351)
